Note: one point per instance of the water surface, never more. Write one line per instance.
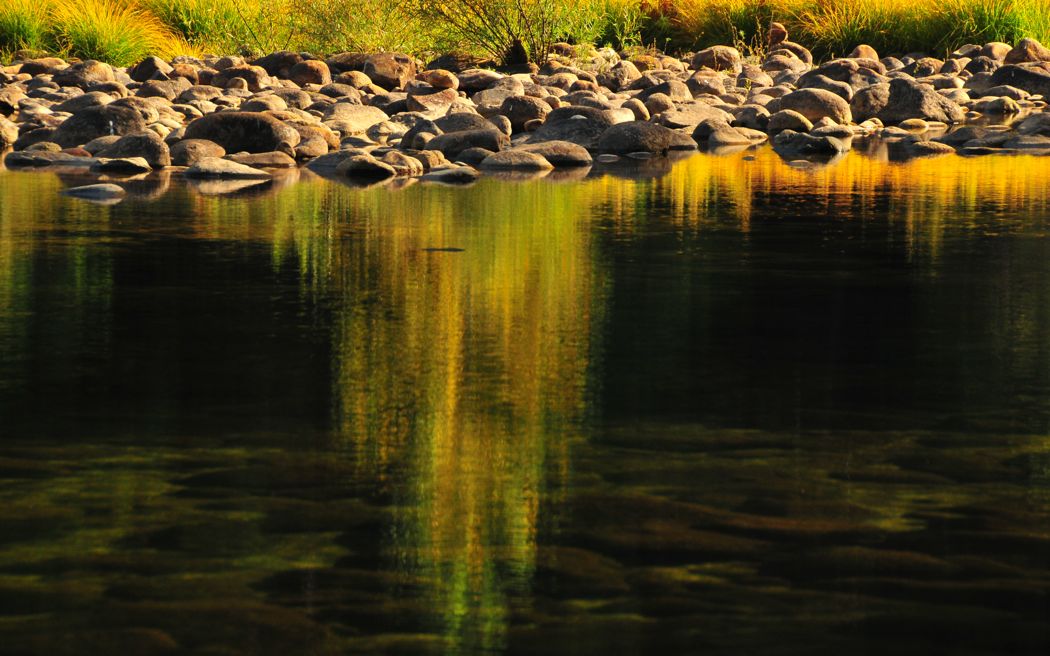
(726, 406)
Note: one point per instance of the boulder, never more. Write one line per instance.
(352, 118)
(515, 160)
(689, 115)
(251, 132)
(788, 119)
(8, 134)
(148, 68)
(453, 143)
(214, 167)
(255, 77)
(522, 109)
(83, 74)
(148, 145)
(789, 143)
(278, 64)
(433, 104)
(274, 160)
(642, 136)
(190, 151)
(95, 122)
(389, 70)
(83, 101)
(310, 71)
(559, 153)
(910, 99)
(121, 165)
(816, 104)
(583, 126)
(365, 166)
(1032, 79)
(1027, 50)
(719, 58)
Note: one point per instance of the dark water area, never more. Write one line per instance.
(733, 407)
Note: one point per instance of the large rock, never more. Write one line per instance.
(190, 151)
(148, 68)
(390, 70)
(515, 160)
(148, 145)
(582, 126)
(432, 104)
(311, 71)
(689, 115)
(365, 166)
(642, 136)
(1033, 79)
(8, 134)
(522, 109)
(453, 143)
(816, 104)
(278, 64)
(95, 122)
(1027, 50)
(251, 132)
(560, 153)
(905, 98)
(789, 143)
(84, 73)
(354, 119)
(213, 167)
(256, 77)
(719, 58)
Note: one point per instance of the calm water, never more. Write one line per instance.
(733, 408)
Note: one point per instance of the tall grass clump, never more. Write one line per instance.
(834, 28)
(247, 27)
(366, 26)
(116, 31)
(496, 27)
(702, 23)
(23, 25)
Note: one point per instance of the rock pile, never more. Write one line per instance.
(379, 116)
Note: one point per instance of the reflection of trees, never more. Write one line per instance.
(465, 373)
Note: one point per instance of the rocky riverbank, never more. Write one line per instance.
(374, 117)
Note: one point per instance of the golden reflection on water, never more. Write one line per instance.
(466, 322)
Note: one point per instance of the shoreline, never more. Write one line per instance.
(386, 116)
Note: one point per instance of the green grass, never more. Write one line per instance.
(23, 25)
(123, 31)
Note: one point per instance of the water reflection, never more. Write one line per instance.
(463, 393)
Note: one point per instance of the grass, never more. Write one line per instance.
(123, 31)
(23, 25)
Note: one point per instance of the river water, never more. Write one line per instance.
(721, 405)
